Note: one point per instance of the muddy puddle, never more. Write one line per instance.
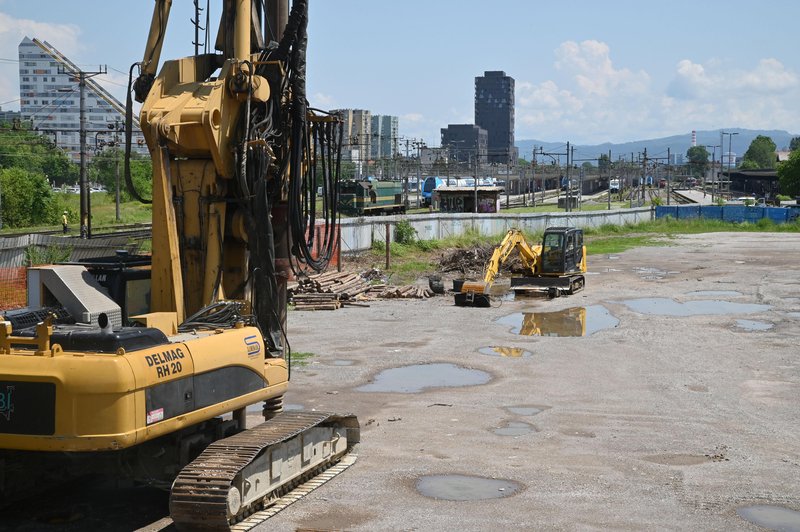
(752, 325)
(771, 517)
(650, 274)
(575, 321)
(514, 428)
(416, 378)
(661, 306)
(793, 314)
(526, 410)
(503, 351)
(465, 488)
(714, 293)
(342, 362)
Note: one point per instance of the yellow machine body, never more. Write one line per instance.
(111, 401)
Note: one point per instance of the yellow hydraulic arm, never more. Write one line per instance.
(514, 239)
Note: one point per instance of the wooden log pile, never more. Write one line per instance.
(332, 290)
(327, 291)
(395, 292)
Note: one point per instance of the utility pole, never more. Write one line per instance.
(570, 155)
(644, 177)
(533, 177)
(669, 173)
(116, 169)
(609, 180)
(86, 204)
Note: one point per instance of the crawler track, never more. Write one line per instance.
(200, 494)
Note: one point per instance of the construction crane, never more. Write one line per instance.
(153, 378)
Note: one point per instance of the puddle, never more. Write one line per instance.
(342, 362)
(650, 274)
(613, 257)
(509, 352)
(752, 325)
(416, 378)
(515, 428)
(576, 321)
(714, 293)
(677, 459)
(793, 314)
(465, 488)
(697, 388)
(293, 407)
(526, 410)
(772, 517)
(660, 306)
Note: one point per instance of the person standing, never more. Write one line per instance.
(64, 221)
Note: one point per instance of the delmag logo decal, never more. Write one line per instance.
(7, 403)
(253, 345)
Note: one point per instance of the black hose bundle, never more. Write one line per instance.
(128, 139)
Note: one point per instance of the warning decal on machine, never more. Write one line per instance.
(155, 416)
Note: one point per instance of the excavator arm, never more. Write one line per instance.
(514, 240)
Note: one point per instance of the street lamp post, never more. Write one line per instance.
(713, 162)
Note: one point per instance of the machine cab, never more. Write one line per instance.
(562, 251)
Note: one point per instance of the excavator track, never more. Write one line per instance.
(238, 476)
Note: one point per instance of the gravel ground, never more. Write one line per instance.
(650, 422)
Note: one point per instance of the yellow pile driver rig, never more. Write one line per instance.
(159, 389)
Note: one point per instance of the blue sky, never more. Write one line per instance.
(585, 71)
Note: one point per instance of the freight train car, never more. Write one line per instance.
(365, 198)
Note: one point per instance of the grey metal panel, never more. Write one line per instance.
(77, 290)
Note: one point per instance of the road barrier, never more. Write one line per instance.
(729, 213)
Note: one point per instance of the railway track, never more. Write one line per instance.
(132, 230)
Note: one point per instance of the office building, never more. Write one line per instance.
(494, 112)
(384, 141)
(50, 102)
(356, 134)
(465, 141)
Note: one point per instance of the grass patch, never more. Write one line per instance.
(301, 358)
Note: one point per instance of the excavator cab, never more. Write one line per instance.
(562, 251)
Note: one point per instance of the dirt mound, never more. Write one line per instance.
(473, 260)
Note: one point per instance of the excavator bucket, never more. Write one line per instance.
(471, 293)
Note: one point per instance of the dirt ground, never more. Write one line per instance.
(676, 408)
(649, 422)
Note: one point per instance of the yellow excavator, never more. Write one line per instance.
(152, 379)
(555, 267)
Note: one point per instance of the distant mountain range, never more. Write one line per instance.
(678, 144)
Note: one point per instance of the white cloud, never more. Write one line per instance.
(599, 101)
(65, 37)
(323, 101)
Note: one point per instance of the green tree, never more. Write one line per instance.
(789, 175)
(587, 166)
(604, 163)
(698, 160)
(761, 153)
(103, 168)
(33, 152)
(26, 198)
(348, 170)
(794, 144)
